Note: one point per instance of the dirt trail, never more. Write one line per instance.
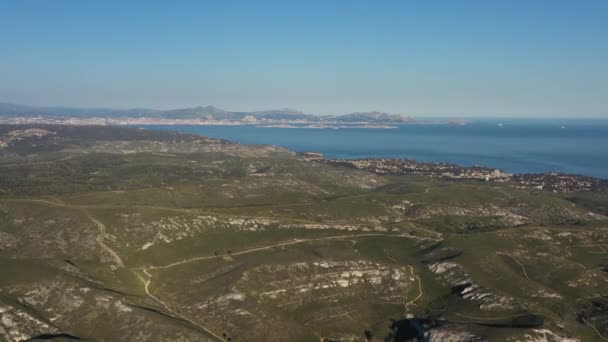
(101, 237)
(100, 226)
(146, 270)
(523, 269)
(420, 291)
(438, 235)
(148, 281)
(174, 312)
(595, 329)
(282, 244)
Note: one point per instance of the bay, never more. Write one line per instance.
(514, 145)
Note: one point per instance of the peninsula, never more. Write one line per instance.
(207, 115)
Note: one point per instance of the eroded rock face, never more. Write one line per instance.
(327, 276)
(335, 289)
(61, 301)
(456, 277)
(505, 217)
(452, 334)
(542, 335)
(21, 134)
(510, 216)
(312, 281)
(8, 240)
(174, 228)
(16, 324)
(595, 315)
(65, 305)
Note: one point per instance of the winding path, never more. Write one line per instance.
(523, 269)
(146, 270)
(420, 292)
(102, 235)
(174, 312)
(148, 281)
(100, 226)
(282, 244)
(595, 329)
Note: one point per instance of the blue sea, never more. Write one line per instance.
(578, 146)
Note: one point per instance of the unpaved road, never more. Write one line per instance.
(102, 235)
(100, 226)
(148, 281)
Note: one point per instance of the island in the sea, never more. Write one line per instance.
(205, 115)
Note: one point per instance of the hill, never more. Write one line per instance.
(9, 110)
(125, 234)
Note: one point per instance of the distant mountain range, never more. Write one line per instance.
(202, 113)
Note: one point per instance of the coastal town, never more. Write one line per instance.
(550, 181)
(208, 116)
(281, 122)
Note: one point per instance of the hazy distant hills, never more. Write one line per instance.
(10, 109)
(374, 116)
(201, 112)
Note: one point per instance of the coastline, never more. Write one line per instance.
(267, 123)
(551, 181)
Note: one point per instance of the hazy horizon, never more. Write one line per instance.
(431, 59)
(432, 116)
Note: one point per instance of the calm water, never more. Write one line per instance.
(524, 146)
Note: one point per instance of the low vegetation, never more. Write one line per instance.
(123, 234)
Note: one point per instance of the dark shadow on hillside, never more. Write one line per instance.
(55, 337)
(408, 329)
(419, 329)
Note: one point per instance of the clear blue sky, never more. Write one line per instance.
(461, 58)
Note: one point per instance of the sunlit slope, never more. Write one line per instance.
(134, 236)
